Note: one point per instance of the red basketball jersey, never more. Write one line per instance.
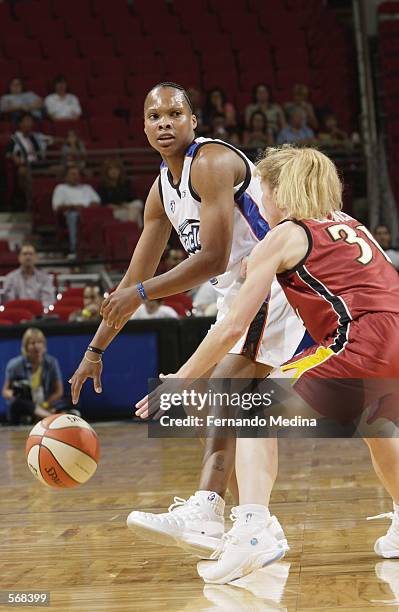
(344, 275)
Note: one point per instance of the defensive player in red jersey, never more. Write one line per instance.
(347, 293)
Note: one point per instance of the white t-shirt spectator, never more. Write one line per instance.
(63, 107)
(205, 295)
(74, 195)
(163, 312)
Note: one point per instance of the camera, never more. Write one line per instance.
(21, 389)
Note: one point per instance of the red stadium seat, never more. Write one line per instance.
(107, 84)
(37, 67)
(90, 46)
(16, 315)
(120, 240)
(61, 128)
(16, 48)
(62, 48)
(107, 66)
(69, 10)
(73, 292)
(102, 106)
(178, 307)
(8, 262)
(4, 246)
(5, 321)
(90, 243)
(110, 129)
(34, 306)
(75, 301)
(63, 312)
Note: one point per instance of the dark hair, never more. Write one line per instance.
(110, 163)
(251, 121)
(27, 244)
(381, 225)
(16, 78)
(255, 89)
(23, 116)
(208, 103)
(59, 79)
(172, 85)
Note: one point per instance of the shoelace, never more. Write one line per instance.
(226, 537)
(181, 507)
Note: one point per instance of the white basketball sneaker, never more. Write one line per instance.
(388, 545)
(255, 540)
(195, 524)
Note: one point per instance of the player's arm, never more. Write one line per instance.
(143, 264)
(213, 175)
(281, 250)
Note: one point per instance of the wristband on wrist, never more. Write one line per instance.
(141, 291)
(94, 349)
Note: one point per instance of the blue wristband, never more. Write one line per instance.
(141, 291)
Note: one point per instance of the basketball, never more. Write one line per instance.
(62, 451)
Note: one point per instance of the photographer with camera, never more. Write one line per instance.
(33, 384)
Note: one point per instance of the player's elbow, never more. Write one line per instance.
(217, 262)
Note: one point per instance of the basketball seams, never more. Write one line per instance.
(68, 444)
(59, 464)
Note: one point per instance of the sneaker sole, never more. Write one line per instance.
(200, 546)
(250, 565)
(386, 554)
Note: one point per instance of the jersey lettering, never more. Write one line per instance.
(346, 233)
(189, 235)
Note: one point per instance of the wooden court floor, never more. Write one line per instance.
(74, 543)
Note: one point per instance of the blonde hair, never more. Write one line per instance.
(305, 181)
(30, 334)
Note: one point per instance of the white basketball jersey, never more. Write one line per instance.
(183, 207)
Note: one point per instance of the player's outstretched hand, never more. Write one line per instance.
(119, 306)
(86, 369)
(149, 405)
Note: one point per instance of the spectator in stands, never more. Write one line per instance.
(33, 385)
(17, 102)
(383, 236)
(300, 95)
(296, 130)
(73, 150)
(173, 258)
(258, 135)
(218, 127)
(92, 299)
(115, 191)
(262, 100)
(204, 300)
(25, 149)
(195, 97)
(154, 309)
(62, 105)
(27, 282)
(217, 104)
(332, 136)
(68, 198)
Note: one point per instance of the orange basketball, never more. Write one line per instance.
(62, 451)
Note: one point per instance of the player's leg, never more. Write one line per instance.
(385, 457)
(197, 524)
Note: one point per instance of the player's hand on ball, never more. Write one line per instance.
(86, 369)
(119, 306)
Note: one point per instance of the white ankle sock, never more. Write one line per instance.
(396, 507)
(257, 509)
(214, 500)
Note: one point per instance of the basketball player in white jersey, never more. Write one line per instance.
(206, 191)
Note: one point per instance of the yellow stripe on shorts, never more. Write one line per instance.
(308, 362)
